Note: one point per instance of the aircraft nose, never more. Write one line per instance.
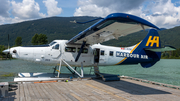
(6, 51)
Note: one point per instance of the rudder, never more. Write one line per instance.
(152, 40)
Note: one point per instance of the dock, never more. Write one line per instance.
(92, 90)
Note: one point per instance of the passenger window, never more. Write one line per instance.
(56, 47)
(110, 53)
(102, 52)
(70, 49)
(85, 50)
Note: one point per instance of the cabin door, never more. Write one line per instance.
(55, 51)
(96, 55)
(103, 56)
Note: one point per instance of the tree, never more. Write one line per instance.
(1, 49)
(34, 40)
(39, 39)
(42, 39)
(18, 41)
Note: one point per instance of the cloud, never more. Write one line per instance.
(159, 14)
(103, 8)
(4, 11)
(4, 8)
(13, 11)
(52, 8)
(119, 5)
(162, 13)
(27, 9)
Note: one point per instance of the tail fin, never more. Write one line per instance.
(152, 40)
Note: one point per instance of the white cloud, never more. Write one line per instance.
(14, 11)
(2, 20)
(103, 8)
(52, 8)
(162, 13)
(165, 14)
(27, 9)
(88, 10)
(4, 8)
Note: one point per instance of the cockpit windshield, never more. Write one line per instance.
(52, 43)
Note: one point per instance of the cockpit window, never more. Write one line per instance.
(56, 47)
(52, 43)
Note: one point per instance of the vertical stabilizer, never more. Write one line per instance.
(152, 40)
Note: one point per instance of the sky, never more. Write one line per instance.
(162, 13)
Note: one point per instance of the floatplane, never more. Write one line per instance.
(85, 50)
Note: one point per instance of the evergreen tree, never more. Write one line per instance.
(34, 40)
(18, 41)
(1, 49)
(39, 39)
(42, 39)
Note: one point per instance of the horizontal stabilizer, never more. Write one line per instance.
(161, 49)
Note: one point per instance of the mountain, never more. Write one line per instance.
(62, 28)
(54, 28)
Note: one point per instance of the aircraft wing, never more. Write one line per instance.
(111, 27)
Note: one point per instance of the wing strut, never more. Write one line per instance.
(80, 51)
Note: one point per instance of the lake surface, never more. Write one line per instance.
(165, 71)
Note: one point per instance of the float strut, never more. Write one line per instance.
(59, 67)
(82, 75)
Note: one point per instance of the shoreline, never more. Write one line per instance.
(4, 59)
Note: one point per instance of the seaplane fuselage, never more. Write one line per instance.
(57, 50)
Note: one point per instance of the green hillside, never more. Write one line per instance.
(54, 28)
(61, 28)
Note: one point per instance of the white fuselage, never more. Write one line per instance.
(58, 49)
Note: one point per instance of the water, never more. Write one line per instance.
(165, 71)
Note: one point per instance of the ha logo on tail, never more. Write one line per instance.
(153, 41)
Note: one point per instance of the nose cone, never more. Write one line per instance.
(14, 52)
(6, 51)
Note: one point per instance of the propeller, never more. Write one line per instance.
(8, 42)
(7, 51)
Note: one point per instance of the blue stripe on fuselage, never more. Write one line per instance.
(36, 46)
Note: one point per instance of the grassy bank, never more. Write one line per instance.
(170, 57)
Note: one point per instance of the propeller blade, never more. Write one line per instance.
(6, 51)
(8, 41)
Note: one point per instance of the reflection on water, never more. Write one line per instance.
(165, 71)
